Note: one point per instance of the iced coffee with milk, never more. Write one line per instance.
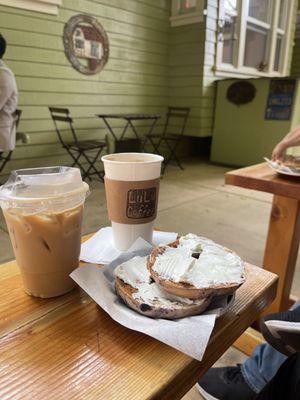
(43, 210)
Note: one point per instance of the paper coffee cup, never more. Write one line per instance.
(132, 185)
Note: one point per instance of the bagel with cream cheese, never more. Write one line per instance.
(135, 286)
(195, 267)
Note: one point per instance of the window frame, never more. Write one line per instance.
(238, 69)
(177, 19)
(43, 6)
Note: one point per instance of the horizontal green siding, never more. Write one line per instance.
(192, 56)
(186, 63)
(295, 67)
(135, 79)
(209, 76)
(151, 66)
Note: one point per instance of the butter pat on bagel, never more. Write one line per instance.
(195, 267)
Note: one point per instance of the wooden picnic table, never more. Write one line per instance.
(69, 348)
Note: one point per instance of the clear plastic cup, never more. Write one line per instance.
(43, 210)
(132, 178)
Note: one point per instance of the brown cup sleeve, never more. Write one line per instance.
(131, 202)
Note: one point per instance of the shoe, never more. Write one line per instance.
(225, 384)
(282, 330)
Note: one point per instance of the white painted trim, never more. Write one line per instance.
(43, 6)
(242, 34)
(287, 38)
(273, 38)
(238, 68)
(244, 72)
(257, 22)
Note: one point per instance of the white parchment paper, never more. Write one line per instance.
(100, 249)
(189, 335)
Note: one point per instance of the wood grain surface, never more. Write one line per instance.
(282, 247)
(261, 177)
(68, 348)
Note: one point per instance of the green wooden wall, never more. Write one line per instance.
(192, 58)
(192, 73)
(186, 70)
(295, 70)
(192, 77)
(151, 65)
(135, 79)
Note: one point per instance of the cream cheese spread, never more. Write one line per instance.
(199, 262)
(135, 273)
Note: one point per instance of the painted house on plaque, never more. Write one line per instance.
(87, 42)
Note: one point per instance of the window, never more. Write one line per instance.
(186, 12)
(44, 6)
(253, 37)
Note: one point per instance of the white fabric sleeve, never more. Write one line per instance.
(6, 87)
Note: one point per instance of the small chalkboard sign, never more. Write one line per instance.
(280, 99)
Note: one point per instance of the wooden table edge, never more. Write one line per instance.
(276, 187)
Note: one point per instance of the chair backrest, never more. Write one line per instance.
(62, 115)
(179, 115)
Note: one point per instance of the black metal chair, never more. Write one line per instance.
(79, 150)
(4, 155)
(168, 137)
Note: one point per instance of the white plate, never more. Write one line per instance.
(281, 170)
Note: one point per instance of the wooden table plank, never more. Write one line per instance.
(69, 348)
(261, 177)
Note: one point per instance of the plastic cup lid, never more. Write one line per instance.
(42, 184)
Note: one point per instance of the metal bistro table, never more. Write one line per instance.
(69, 348)
(129, 123)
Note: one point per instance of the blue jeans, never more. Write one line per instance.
(260, 368)
(263, 364)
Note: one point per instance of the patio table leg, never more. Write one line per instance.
(110, 129)
(282, 247)
(280, 258)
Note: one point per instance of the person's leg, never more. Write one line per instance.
(285, 384)
(242, 382)
(282, 330)
(261, 366)
(264, 362)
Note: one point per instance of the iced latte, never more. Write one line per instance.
(44, 224)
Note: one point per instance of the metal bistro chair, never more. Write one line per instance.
(169, 138)
(6, 156)
(88, 150)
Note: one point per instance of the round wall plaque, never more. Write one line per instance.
(86, 44)
(241, 92)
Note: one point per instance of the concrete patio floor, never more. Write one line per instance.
(195, 200)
